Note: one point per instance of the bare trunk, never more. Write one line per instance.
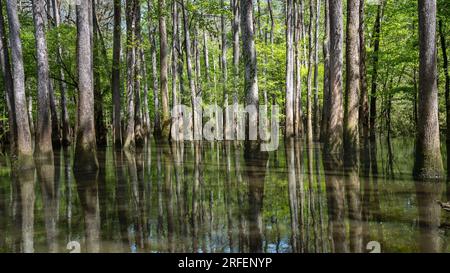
(364, 100)
(8, 81)
(251, 73)
(298, 112)
(333, 143)
(129, 142)
(316, 109)
(309, 110)
(115, 77)
(428, 160)
(226, 125)
(187, 41)
(24, 147)
(447, 87)
(351, 133)
(326, 75)
(138, 130)
(44, 128)
(373, 95)
(85, 152)
(289, 70)
(164, 65)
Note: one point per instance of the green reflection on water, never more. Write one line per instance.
(208, 198)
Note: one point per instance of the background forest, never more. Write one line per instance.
(105, 65)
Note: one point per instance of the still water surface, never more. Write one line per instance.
(208, 198)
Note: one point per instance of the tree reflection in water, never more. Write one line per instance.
(209, 197)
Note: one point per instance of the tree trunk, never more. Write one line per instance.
(236, 56)
(164, 65)
(316, 110)
(428, 160)
(251, 73)
(333, 143)
(309, 110)
(85, 152)
(8, 81)
(373, 95)
(23, 137)
(44, 128)
(187, 41)
(129, 142)
(155, 79)
(115, 75)
(298, 112)
(289, 70)
(326, 74)
(175, 58)
(226, 126)
(447, 87)
(138, 130)
(351, 133)
(364, 100)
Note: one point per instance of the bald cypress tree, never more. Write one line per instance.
(85, 151)
(428, 160)
(23, 137)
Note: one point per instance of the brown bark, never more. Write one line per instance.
(447, 87)
(333, 143)
(5, 64)
(129, 142)
(163, 74)
(23, 129)
(115, 75)
(289, 69)
(251, 72)
(351, 133)
(85, 152)
(428, 160)
(43, 128)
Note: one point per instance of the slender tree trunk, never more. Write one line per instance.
(447, 87)
(155, 78)
(85, 152)
(351, 133)
(131, 56)
(373, 95)
(8, 81)
(364, 100)
(115, 75)
(316, 110)
(289, 70)
(272, 21)
(326, 74)
(251, 73)
(187, 41)
(145, 107)
(164, 65)
(44, 128)
(333, 143)
(100, 127)
(30, 115)
(138, 130)
(24, 147)
(309, 108)
(175, 58)
(298, 112)
(428, 160)
(226, 126)
(236, 25)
